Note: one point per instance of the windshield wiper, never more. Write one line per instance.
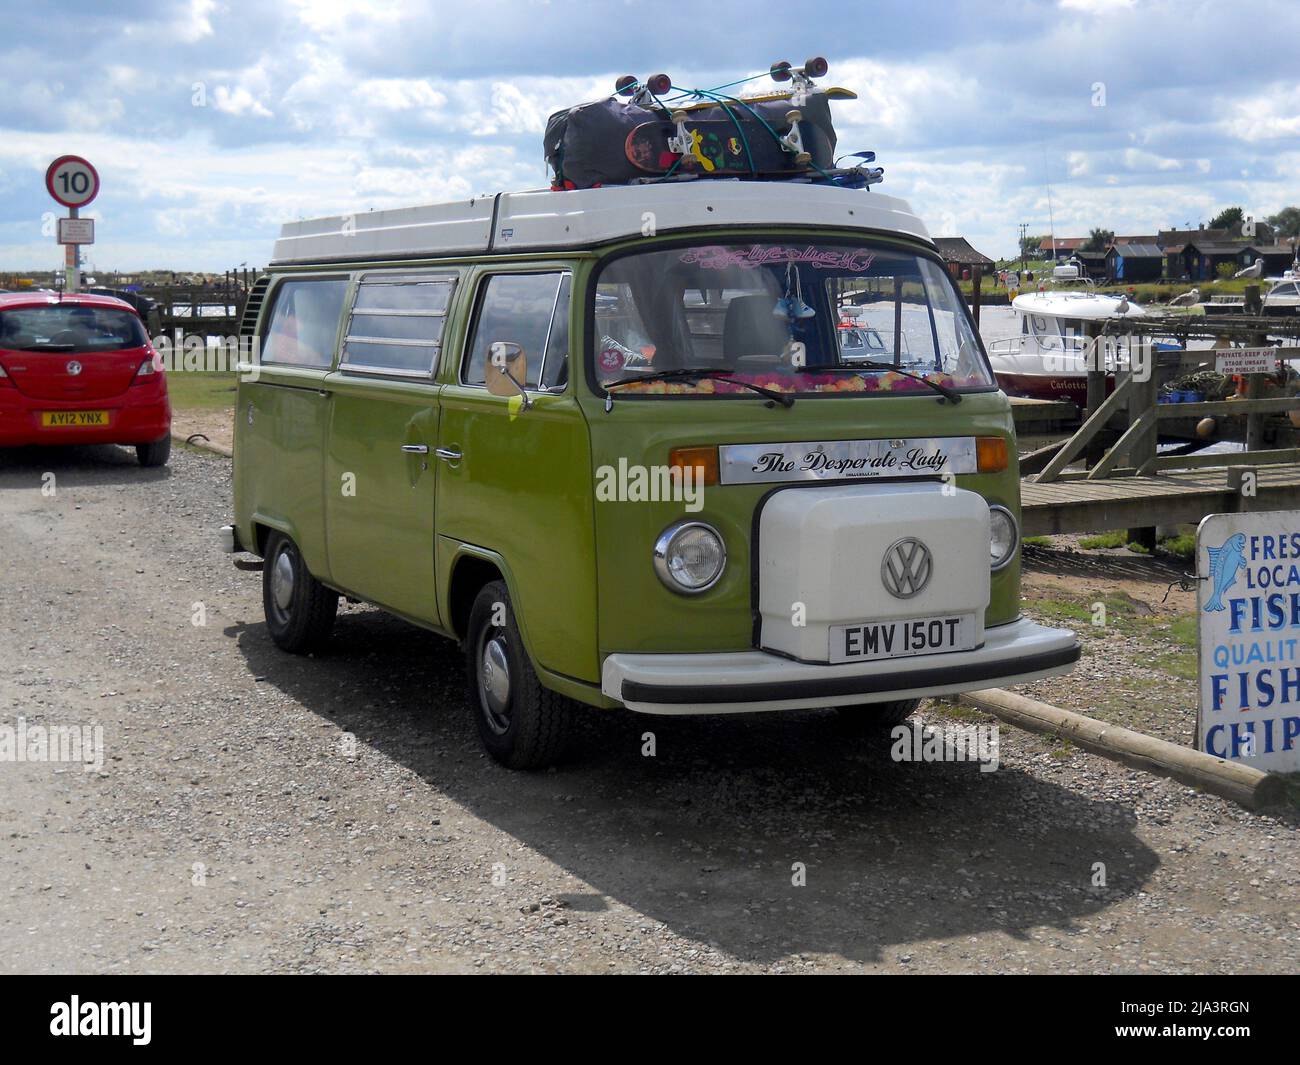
(686, 375)
(950, 394)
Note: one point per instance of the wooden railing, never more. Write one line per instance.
(1137, 394)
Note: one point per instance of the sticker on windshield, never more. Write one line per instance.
(611, 360)
(717, 257)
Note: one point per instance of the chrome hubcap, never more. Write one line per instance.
(282, 580)
(494, 671)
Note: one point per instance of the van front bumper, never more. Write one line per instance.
(741, 681)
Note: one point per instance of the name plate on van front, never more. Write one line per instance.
(833, 460)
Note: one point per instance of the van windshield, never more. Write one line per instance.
(792, 315)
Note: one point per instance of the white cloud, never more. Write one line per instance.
(238, 101)
(1270, 115)
(1098, 7)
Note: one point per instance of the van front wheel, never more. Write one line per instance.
(522, 724)
(299, 609)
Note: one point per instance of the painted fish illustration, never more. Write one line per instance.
(1225, 561)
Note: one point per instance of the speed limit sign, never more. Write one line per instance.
(72, 181)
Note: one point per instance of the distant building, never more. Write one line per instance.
(1065, 247)
(1134, 261)
(1277, 257)
(1093, 263)
(959, 256)
(1200, 259)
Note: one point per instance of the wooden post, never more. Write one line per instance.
(1096, 382)
(1254, 420)
(976, 276)
(1237, 477)
(1143, 402)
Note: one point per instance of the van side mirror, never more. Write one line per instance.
(507, 370)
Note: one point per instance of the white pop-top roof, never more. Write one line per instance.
(1082, 305)
(581, 218)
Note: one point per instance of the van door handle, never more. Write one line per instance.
(449, 454)
(416, 449)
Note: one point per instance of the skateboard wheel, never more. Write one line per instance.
(815, 67)
(625, 85)
(780, 71)
(679, 116)
(659, 84)
(794, 116)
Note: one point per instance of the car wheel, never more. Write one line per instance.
(155, 454)
(299, 609)
(522, 724)
(870, 716)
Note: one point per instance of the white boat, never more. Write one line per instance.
(1284, 296)
(1047, 359)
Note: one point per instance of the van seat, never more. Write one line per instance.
(751, 329)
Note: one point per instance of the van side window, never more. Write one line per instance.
(532, 311)
(396, 324)
(555, 370)
(304, 322)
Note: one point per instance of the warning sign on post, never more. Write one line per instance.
(1246, 360)
(1248, 604)
(76, 231)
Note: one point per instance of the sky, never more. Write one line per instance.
(211, 122)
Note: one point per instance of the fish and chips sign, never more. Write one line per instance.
(1249, 610)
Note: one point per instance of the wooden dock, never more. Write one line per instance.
(1175, 498)
(1042, 415)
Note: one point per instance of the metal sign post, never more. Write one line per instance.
(73, 182)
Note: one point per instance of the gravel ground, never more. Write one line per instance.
(259, 812)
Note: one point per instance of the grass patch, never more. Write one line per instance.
(1038, 541)
(1122, 612)
(1182, 546)
(1114, 538)
(1184, 632)
(201, 389)
(1180, 664)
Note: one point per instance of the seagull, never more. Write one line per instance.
(1251, 271)
(1187, 299)
(1122, 306)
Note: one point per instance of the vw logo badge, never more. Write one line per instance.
(74, 368)
(905, 570)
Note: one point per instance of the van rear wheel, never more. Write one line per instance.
(522, 724)
(299, 609)
(869, 716)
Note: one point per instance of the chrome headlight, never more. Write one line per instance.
(1004, 537)
(690, 557)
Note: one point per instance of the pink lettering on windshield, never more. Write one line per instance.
(720, 257)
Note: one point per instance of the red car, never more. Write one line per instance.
(79, 369)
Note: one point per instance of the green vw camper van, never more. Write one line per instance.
(684, 448)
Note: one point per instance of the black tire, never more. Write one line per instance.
(868, 717)
(522, 724)
(155, 454)
(299, 609)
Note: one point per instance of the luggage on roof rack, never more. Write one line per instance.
(618, 141)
